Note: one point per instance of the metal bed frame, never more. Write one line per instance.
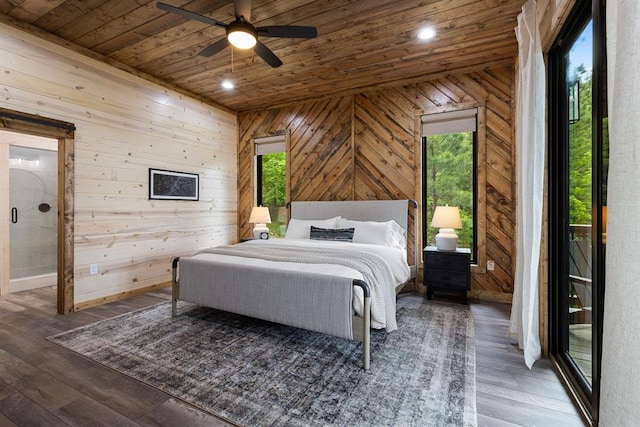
(361, 325)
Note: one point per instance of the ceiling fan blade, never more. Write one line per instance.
(190, 15)
(267, 55)
(242, 8)
(214, 48)
(291, 31)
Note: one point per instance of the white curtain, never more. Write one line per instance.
(530, 154)
(620, 386)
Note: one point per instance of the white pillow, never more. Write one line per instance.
(300, 228)
(398, 236)
(387, 233)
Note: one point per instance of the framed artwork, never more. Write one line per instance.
(171, 185)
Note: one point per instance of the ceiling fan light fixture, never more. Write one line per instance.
(242, 35)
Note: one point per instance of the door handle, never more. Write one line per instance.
(14, 215)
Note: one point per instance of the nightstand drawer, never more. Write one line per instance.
(447, 261)
(454, 280)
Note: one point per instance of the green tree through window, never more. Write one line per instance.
(449, 180)
(580, 153)
(273, 190)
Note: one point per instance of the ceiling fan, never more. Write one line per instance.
(243, 35)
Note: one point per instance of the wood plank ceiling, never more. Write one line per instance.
(360, 45)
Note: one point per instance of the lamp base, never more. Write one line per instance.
(446, 240)
(259, 229)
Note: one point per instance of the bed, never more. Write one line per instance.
(337, 271)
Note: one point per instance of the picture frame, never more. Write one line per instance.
(172, 185)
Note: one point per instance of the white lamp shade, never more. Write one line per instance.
(446, 218)
(260, 215)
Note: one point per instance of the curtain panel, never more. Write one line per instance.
(620, 386)
(530, 157)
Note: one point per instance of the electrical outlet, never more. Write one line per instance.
(490, 265)
(93, 269)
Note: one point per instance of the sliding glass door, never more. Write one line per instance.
(578, 170)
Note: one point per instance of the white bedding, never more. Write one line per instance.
(395, 260)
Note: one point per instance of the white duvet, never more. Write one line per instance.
(395, 262)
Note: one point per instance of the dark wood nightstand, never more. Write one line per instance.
(447, 271)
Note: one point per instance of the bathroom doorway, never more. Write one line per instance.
(27, 143)
(33, 204)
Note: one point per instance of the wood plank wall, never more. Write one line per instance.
(124, 126)
(367, 146)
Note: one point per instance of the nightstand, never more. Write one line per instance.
(447, 271)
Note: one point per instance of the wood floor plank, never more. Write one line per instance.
(12, 368)
(485, 421)
(533, 399)
(88, 412)
(27, 349)
(47, 391)
(174, 413)
(6, 422)
(113, 389)
(523, 414)
(5, 390)
(24, 412)
(8, 307)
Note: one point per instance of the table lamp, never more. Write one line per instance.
(260, 217)
(446, 218)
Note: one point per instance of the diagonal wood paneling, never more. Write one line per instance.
(366, 146)
(320, 154)
(384, 146)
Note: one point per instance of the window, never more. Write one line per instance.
(271, 180)
(449, 142)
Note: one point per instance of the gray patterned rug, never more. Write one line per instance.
(256, 373)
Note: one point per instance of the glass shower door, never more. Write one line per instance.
(33, 182)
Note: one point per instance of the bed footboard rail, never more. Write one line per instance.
(175, 286)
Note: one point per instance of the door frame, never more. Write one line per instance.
(64, 133)
(587, 396)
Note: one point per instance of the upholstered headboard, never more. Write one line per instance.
(358, 210)
(364, 210)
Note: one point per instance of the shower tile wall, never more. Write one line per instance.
(33, 182)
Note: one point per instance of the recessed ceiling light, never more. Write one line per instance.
(228, 84)
(426, 33)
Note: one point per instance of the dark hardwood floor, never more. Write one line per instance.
(43, 384)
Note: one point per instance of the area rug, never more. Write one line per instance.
(256, 373)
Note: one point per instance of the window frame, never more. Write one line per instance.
(277, 138)
(478, 265)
